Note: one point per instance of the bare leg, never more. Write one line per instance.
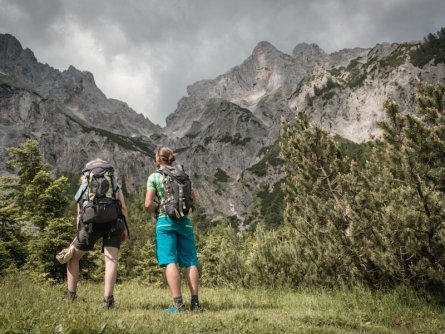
(192, 275)
(72, 269)
(110, 254)
(173, 279)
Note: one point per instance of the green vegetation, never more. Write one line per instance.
(309, 100)
(356, 74)
(199, 148)
(235, 139)
(353, 64)
(32, 203)
(326, 92)
(380, 221)
(158, 137)
(271, 206)
(131, 143)
(377, 210)
(191, 135)
(270, 158)
(336, 72)
(245, 115)
(328, 96)
(351, 241)
(356, 78)
(27, 307)
(396, 58)
(433, 47)
(330, 84)
(359, 153)
(221, 176)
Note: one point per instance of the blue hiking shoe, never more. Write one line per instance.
(172, 309)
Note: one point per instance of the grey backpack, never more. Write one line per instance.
(178, 200)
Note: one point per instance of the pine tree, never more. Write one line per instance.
(33, 210)
(416, 149)
(316, 207)
(223, 256)
(43, 248)
(33, 195)
(380, 221)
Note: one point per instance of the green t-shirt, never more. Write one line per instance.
(154, 182)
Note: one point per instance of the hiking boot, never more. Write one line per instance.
(108, 302)
(69, 296)
(196, 307)
(172, 309)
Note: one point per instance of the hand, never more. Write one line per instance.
(124, 236)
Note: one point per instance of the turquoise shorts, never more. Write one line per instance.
(175, 242)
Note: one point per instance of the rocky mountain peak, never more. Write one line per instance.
(249, 85)
(306, 50)
(11, 50)
(264, 47)
(10, 47)
(73, 90)
(265, 54)
(79, 75)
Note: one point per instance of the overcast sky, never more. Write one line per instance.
(146, 52)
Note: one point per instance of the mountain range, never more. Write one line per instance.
(225, 130)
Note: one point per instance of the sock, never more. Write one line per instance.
(108, 301)
(72, 295)
(178, 301)
(108, 298)
(195, 299)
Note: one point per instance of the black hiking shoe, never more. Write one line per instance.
(196, 307)
(69, 296)
(108, 302)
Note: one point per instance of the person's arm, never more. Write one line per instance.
(150, 200)
(78, 214)
(124, 211)
(193, 197)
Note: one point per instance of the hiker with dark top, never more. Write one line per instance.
(170, 197)
(101, 213)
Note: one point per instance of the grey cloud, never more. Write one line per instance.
(185, 41)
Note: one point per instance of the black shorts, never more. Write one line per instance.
(111, 234)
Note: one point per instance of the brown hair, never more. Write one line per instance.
(165, 155)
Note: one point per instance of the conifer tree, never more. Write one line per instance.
(416, 149)
(316, 205)
(34, 202)
(33, 195)
(381, 221)
(223, 256)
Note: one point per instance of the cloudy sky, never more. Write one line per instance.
(146, 52)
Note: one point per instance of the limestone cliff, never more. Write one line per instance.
(225, 130)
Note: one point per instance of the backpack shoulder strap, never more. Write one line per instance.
(81, 192)
(167, 171)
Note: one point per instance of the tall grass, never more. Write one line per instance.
(27, 306)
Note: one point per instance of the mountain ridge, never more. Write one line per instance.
(226, 129)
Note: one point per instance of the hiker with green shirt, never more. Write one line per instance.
(101, 214)
(170, 196)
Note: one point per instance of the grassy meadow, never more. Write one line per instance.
(27, 306)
